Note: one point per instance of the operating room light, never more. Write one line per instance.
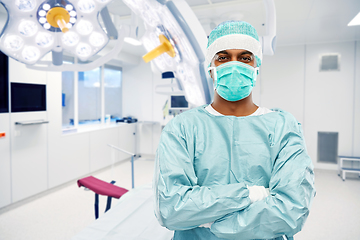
(28, 28)
(96, 39)
(31, 54)
(84, 27)
(13, 43)
(83, 50)
(86, 6)
(25, 5)
(44, 39)
(36, 27)
(355, 21)
(70, 39)
(132, 41)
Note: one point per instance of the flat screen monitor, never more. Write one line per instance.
(4, 83)
(28, 97)
(178, 102)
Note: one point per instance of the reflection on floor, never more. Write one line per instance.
(65, 211)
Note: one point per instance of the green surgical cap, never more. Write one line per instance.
(234, 35)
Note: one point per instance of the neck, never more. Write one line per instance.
(241, 108)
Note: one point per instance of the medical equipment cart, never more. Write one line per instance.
(343, 170)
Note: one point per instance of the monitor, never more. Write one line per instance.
(4, 83)
(28, 97)
(178, 102)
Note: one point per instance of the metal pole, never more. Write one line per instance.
(132, 171)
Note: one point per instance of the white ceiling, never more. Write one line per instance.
(298, 22)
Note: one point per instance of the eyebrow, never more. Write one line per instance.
(243, 53)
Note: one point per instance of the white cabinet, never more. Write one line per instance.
(28, 155)
(127, 139)
(100, 153)
(5, 177)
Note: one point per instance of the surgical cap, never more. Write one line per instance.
(233, 35)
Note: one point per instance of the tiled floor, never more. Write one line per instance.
(335, 214)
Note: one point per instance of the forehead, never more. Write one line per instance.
(234, 52)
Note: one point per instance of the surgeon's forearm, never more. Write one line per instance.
(283, 212)
(189, 207)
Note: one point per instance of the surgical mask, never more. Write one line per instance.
(234, 80)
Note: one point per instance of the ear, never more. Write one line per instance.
(211, 75)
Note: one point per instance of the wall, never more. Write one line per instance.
(141, 101)
(321, 101)
(356, 133)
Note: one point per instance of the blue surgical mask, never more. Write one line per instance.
(234, 80)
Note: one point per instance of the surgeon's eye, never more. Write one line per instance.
(246, 59)
(222, 58)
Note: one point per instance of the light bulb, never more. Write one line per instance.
(42, 20)
(70, 38)
(42, 13)
(73, 13)
(47, 26)
(69, 25)
(84, 27)
(83, 50)
(69, 7)
(46, 7)
(44, 39)
(73, 20)
(28, 28)
(86, 6)
(25, 5)
(13, 42)
(31, 54)
(97, 39)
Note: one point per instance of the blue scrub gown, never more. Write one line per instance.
(205, 162)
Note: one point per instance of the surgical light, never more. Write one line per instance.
(84, 27)
(36, 27)
(70, 39)
(97, 39)
(25, 5)
(86, 6)
(132, 41)
(355, 21)
(44, 39)
(28, 28)
(168, 32)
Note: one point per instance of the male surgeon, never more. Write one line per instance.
(231, 169)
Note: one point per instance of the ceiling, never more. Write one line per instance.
(298, 22)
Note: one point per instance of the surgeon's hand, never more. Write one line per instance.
(206, 225)
(258, 193)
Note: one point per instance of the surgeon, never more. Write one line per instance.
(232, 169)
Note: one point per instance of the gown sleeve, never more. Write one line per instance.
(180, 203)
(292, 190)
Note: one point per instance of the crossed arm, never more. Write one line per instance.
(182, 204)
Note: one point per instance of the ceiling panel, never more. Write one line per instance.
(335, 8)
(197, 2)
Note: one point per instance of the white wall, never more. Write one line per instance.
(321, 101)
(141, 101)
(282, 80)
(356, 133)
(329, 102)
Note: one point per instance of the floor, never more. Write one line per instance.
(63, 212)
